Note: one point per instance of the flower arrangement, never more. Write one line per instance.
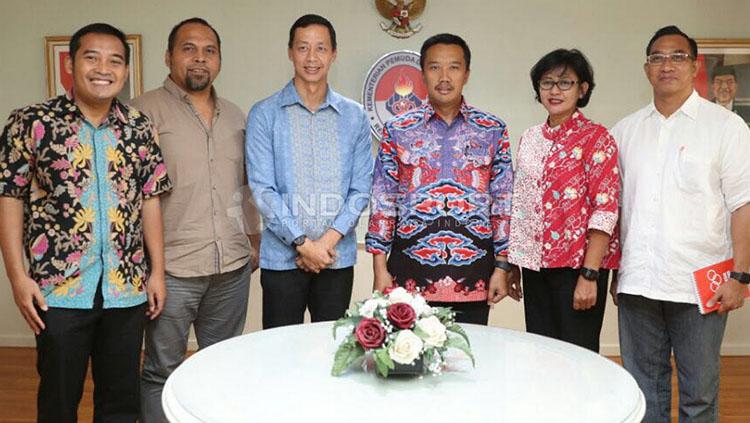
(399, 328)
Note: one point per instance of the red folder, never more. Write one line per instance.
(708, 280)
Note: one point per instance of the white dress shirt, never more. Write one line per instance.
(682, 178)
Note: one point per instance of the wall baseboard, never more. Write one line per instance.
(17, 341)
(606, 349)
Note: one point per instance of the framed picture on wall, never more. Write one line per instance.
(59, 80)
(724, 75)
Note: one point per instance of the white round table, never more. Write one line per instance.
(284, 375)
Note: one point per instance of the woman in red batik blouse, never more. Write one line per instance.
(565, 207)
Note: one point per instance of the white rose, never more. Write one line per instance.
(406, 347)
(368, 308)
(400, 295)
(434, 330)
(419, 304)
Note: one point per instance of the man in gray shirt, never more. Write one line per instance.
(211, 228)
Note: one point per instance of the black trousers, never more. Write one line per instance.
(476, 312)
(287, 293)
(112, 339)
(548, 304)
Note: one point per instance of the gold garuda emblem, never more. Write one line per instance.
(400, 13)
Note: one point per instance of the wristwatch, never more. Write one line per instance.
(503, 265)
(741, 277)
(589, 274)
(299, 241)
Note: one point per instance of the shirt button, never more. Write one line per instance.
(214, 187)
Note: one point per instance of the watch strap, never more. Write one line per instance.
(742, 277)
(503, 265)
(589, 274)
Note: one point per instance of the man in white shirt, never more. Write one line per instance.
(686, 189)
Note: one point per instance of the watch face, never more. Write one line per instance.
(589, 274)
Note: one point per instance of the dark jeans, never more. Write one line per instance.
(548, 305)
(112, 339)
(650, 330)
(476, 312)
(287, 293)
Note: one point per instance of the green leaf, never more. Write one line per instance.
(347, 354)
(459, 343)
(443, 313)
(459, 330)
(383, 361)
(344, 321)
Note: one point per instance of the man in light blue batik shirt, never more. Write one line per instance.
(309, 165)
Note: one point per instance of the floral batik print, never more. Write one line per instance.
(441, 202)
(83, 189)
(567, 182)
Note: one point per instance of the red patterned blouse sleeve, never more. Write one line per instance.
(603, 182)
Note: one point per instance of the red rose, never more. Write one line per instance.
(402, 315)
(370, 333)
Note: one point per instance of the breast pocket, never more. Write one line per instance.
(693, 174)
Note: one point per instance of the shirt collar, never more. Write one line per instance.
(691, 105)
(290, 96)
(575, 121)
(178, 92)
(429, 111)
(689, 108)
(118, 112)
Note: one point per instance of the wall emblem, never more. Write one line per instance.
(400, 14)
(393, 85)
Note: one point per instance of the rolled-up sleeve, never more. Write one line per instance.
(735, 164)
(603, 177)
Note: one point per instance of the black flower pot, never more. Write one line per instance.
(414, 369)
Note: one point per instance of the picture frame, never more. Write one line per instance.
(724, 73)
(56, 49)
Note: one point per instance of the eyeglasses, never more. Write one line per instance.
(660, 58)
(727, 82)
(563, 84)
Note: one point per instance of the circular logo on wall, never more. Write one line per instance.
(393, 86)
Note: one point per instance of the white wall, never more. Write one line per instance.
(506, 38)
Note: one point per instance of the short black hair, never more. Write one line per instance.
(673, 30)
(445, 38)
(199, 21)
(571, 59)
(98, 28)
(311, 19)
(724, 70)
